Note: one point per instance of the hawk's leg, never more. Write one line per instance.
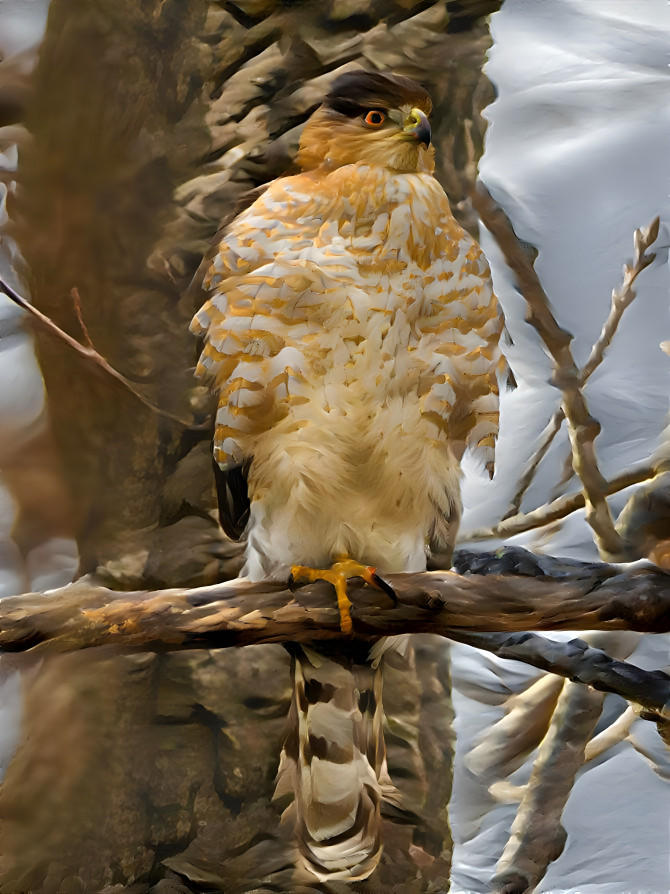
(342, 570)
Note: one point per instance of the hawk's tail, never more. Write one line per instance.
(335, 764)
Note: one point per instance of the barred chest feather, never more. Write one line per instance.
(353, 336)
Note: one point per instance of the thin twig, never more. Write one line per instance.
(614, 734)
(558, 509)
(551, 429)
(567, 473)
(91, 355)
(622, 297)
(76, 301)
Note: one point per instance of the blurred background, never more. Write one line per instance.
(128, 131)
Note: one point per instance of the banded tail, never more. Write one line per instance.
(334, 761)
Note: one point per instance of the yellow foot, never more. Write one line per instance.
(338, 574)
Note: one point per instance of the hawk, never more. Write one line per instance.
(352, 336)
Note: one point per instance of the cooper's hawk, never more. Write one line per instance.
(352, 336)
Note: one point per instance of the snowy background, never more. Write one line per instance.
(577, 153)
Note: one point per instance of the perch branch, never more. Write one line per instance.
(88, 352)
(622, 297)
(557, 509)
(460, 607)
(582, 427)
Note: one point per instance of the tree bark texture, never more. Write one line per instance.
(148, 121)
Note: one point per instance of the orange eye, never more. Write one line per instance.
(375, 118)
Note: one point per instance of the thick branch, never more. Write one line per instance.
(581, 663)
(537, 836)
(460, 607)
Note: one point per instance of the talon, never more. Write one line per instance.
(338, 574)
(384, 585)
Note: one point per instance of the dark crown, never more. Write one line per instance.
(356, 92)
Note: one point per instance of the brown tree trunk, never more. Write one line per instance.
(155, 772)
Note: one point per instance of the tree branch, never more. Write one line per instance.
(622, 297)
(557, 509)
(89, 353)
(537, 836)
(582, 427)
(463, 608)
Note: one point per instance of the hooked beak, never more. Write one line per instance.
(417, 126)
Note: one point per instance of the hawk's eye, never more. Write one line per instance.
(375, 118)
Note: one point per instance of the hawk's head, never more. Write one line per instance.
(370, 118)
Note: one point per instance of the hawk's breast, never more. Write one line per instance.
(336, 290)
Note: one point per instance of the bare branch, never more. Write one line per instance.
(614, 734)
(582, 427)
(551, 429)
(581, 663)
(537, 836)
(556, 510)
(460, 607)
(621, 299)
(89, 353)
(506, 744)
(76, 301)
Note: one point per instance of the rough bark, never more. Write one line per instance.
(148, 121)
(240, 613)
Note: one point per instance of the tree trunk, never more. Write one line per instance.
(155, 772)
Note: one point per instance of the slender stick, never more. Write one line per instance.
(76, 301)
(614, 734)
(621, 298)
(89, 353)
(556, 510)
(551, 429)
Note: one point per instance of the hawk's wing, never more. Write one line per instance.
(260, 316)
(264, 230)
(232, 496)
